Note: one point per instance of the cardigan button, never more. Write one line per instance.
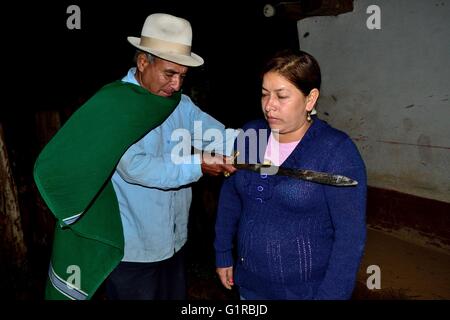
(260, 188)
(263, 175)
(260, 200)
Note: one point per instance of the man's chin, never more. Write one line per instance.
(166, 94)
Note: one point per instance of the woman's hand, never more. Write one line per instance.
(226, 276)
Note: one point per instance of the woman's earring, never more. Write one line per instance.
(308, 116)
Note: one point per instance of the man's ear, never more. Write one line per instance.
(311, 99)
(141, 62)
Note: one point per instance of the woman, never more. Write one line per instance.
(295, 239)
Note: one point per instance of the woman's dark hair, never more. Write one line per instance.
(298, 67)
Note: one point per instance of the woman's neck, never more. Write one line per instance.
(292, 136)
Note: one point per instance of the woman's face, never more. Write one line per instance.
(285, 106)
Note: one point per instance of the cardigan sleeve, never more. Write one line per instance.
(229, 210)
(347, 207)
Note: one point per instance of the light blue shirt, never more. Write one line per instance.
(153, 192)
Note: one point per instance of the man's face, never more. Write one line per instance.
(161, 77)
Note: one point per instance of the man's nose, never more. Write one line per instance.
(176, 82)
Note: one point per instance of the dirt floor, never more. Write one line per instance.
(408, 271)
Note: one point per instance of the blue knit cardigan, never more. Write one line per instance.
(295, 239)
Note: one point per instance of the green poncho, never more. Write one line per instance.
(73, 174)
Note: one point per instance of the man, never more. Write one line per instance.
(152, 189)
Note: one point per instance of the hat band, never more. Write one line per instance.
(162, 45)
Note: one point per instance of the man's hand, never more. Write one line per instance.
(217, 164)
(226, 276)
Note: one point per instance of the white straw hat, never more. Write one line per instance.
(169, 38)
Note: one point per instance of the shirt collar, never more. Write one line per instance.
(130, 78)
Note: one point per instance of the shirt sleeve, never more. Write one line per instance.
(228, 213)
(347, 207)
(139, 167)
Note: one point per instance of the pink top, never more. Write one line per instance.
(277, 152)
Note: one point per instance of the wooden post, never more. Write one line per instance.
(47, 123)
(14, 246)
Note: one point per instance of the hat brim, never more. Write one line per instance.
(193, 60)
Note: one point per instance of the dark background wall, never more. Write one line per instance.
(54, 66)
